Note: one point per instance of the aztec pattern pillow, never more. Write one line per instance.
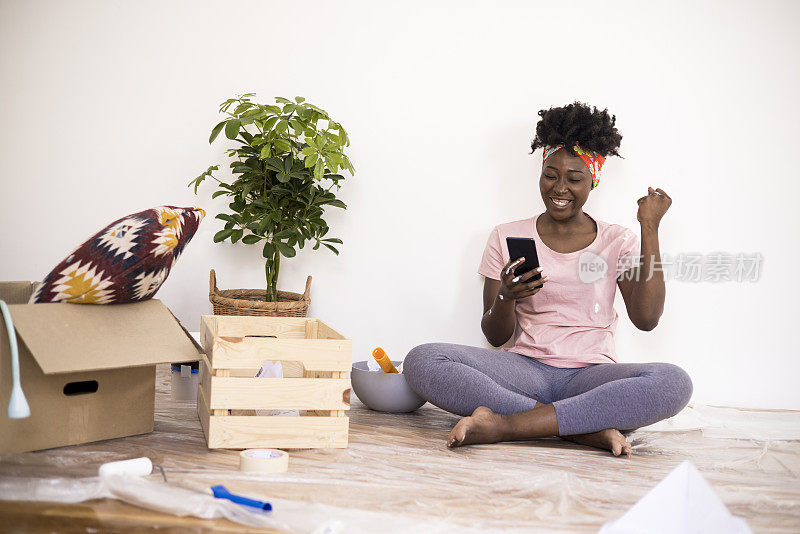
(126, 261)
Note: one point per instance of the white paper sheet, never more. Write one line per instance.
(682, 503)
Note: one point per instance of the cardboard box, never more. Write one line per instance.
(315, 360)
(88, 371)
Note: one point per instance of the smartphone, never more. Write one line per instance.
(519, 247)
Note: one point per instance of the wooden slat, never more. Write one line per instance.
(317, 374)
(250, 353)
(203, 412)
(240, 326)
(243, 432)
(204, 382)
(279, 393)
(206, 335)
(225, 373)
(340, 375)
(326, 332)
(312, 328)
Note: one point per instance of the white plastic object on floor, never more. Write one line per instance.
(18, 407)
(137, 467)
(183, 384)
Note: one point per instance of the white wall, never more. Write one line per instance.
(107, 107)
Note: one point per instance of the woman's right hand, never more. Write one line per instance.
(517, 287)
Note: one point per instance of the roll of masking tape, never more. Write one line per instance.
(263, 461)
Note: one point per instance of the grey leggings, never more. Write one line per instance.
(625, 396)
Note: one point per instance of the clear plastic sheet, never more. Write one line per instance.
(138, 491)
(397, 475)
(733, 423)
(289, 516)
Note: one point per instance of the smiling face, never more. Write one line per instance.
(565, 184)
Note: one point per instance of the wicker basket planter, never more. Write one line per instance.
(253, 301)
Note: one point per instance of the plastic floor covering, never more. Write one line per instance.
(397, 476)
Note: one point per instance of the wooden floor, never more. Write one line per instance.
(397, 471)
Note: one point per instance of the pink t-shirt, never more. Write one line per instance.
(571, 321)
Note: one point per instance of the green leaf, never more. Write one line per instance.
(331, 164)
(219, 193)
(236, 235)
(269, 123)
(242, 107)
(332, 248)
(250, 239)
(225, 217)
(246, 191)
(311, 160)
(283, 234)
(247, 136)
(222, 235)
(215, 132)
(232, 128)
(347, 165)
(269, 250)
(338, 204)
(265, 225)
(283, 145)
(289, 108)
(282, 100)
(333, 240)
(252, 114)
(275, 164)
(265, 152)
(319, 169)
(299, 99)
(285, 249)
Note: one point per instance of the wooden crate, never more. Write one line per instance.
(315, 360)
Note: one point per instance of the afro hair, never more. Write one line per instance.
(578, 122)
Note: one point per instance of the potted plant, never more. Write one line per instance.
(284, 168)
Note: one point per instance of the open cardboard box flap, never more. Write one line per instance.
(65, 338)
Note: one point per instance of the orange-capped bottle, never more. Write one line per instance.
(384, 361)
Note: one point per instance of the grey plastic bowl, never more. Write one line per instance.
(384, 392)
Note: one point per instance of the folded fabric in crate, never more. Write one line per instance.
(126, 261)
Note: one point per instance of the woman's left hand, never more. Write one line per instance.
(653, 206)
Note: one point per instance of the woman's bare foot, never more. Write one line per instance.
(483, 426)
(609, 439)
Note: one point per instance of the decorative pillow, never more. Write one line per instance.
(126, 261)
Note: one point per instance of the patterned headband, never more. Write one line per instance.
(593, 160)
